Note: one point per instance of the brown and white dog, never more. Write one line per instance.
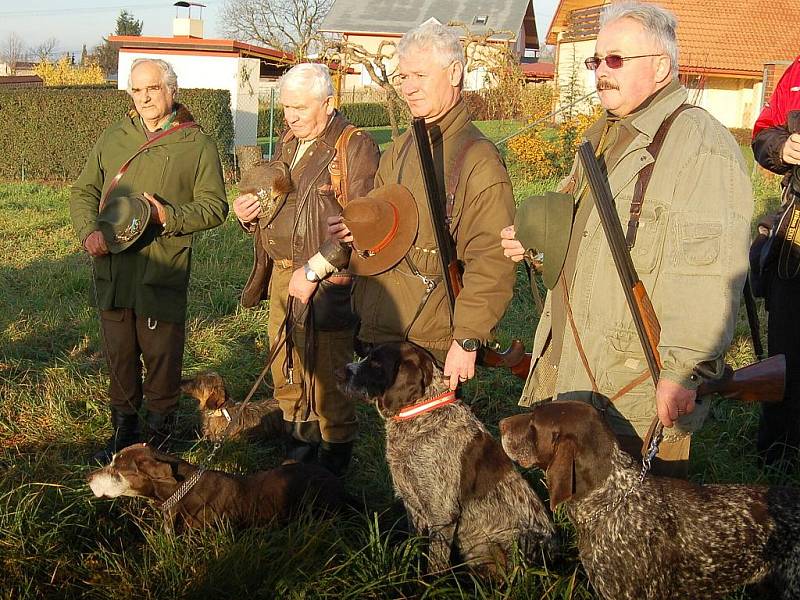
(256, 499)
(662, 538)
(261, 419)
(458, 486)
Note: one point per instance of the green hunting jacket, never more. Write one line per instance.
(691, 253)
(394, 305)
(183, 172)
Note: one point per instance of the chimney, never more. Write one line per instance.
(184, 25)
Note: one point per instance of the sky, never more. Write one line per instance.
(77, 22)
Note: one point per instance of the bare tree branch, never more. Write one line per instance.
(45, 50)
(289, 25)
(13, 52)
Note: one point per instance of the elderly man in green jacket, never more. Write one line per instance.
(689, 247)
(141, 287)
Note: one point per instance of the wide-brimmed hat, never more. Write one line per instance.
(271, 182)
(123, 221)
(544, 224)
(384, 224)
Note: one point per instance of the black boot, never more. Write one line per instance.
(158, 429)
(125, 432)
(335, 456)
(301, 446)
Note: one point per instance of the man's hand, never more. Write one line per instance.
(157, 213)
(338, 230)
(95, 244)
(300, 287)
(791, 150)
(459, 365)
(512, 247)
(247, 208)
(673, 400)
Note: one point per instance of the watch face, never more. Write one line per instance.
(470, 344)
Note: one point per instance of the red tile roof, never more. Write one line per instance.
(731, 37)
(538, 70)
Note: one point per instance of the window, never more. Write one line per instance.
(480, 20)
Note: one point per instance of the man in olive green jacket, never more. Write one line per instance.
(690, 247)
(141, 291)
(409, 302)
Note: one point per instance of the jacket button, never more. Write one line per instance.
(585, 233)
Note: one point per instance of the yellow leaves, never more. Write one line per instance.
(63, 72)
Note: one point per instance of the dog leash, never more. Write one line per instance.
(283, 335)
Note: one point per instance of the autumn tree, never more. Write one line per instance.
(64, 72)
(288, 25)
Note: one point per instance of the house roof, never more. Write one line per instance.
(726, 37)
(21, 80)
(390, 17)
(191, 45)
(538, 70)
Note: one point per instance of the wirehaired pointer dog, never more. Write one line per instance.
(662, 538)
(458, 486)
(256, 499)
(261, 419)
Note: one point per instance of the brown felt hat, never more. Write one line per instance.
(123, 221)
(271, 182)
(384, 224)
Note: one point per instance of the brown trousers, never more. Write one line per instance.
(130, 339)
(672, 459)
(335, 412)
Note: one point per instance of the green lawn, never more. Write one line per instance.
(58, 541)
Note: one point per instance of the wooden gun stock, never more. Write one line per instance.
(763, 381)
(515, 358)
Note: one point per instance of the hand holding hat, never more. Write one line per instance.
(123, 220)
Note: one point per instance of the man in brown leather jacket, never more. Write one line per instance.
(321, 419)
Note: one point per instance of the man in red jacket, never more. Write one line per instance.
(776, 146)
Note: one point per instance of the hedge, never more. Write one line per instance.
(49, 132)
(360, 114)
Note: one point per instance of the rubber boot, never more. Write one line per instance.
(125, 432)
(302, 443)
(335, 456)
(159, 429)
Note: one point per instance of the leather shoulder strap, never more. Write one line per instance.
(338, 166)
(451, 183)
(645, 174)
(123, 169)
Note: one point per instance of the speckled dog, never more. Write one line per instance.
(261, 419)
(458, 486)
(663, 538)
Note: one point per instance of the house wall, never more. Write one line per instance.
(240, 76)
(573, 80)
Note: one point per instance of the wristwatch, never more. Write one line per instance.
(469, 344)
(311, 275)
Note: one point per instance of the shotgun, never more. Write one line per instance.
(763, 381)
(514, 357)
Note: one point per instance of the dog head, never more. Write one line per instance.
(570, 441)
(138, 470)
(392, 375)
(208, 388)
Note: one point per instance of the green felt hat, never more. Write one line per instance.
(544, 224)
(123, 221)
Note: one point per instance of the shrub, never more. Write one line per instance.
(47, 133)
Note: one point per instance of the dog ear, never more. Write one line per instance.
(561, 472)
(216, 398)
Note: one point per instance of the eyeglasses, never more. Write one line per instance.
(614, 61)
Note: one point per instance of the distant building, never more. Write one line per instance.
(732, 52)
(370, 23)
(21, 81)
(21, 67)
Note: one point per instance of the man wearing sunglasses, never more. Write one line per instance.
(687, 230)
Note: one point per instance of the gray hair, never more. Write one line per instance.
(432, 35)
(314, 77)
(657, 21)
(169, 78)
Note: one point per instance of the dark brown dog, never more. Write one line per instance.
(458, 486)
(662, 538)
(261, 419)
(256, 499)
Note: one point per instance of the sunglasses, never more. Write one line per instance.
(614, 61)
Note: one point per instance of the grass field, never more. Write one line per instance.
(57, 541)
